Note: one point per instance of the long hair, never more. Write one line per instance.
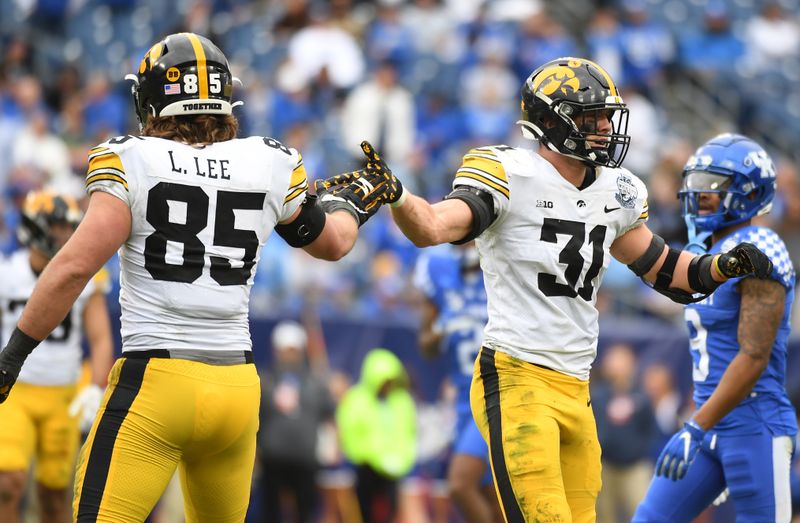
(201, 128)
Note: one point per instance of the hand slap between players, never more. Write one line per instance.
(360, 192)
(379, 173)
(351, 192)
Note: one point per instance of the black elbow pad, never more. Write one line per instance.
(306, 227)
(480, 203)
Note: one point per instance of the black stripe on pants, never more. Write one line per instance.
(491, 396)
(94, 480)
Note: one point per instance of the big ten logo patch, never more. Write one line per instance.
(173, 74)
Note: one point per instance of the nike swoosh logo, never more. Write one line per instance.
(606, 209)
(687, 439)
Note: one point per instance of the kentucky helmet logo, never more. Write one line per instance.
(626, 192)
(556, 78)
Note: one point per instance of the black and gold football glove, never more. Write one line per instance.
(360, 192)
(7, 380)
(11, 359)
(351, 192)
(743, 260)
(379, 173)
(335, 182)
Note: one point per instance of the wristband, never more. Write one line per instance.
(400, 201)
(18, 347)
(696, 430)
(716, 267)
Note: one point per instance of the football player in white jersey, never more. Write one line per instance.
(44, 419)
(545, 223)
(189, 206)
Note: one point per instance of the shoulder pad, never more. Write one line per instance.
(483, 168)
(119, 143)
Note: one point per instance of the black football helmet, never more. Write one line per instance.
(568, 89)
(182, 74)
(40, 211)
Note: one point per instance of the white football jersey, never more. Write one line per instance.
(546, 253)
(200, 215)
(57, 359)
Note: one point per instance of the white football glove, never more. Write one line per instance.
(86, 404)
(722, 498)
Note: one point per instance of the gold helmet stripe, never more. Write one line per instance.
(202, 70)
(611, 87)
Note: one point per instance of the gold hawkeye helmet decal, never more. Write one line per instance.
(150, 57)
(39, 201)
(558, 77)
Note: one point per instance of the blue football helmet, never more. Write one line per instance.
(739, 170)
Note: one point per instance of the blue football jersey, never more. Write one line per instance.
(460, 298)
(713, 325)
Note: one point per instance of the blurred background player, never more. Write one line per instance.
(626, 428)
(295, 402)
(44, 419)
(188, 206)
(742, 434)
(378, 432)
(453, 317)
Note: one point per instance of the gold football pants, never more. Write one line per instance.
(542, 439)
(35, 422)
(159, 414)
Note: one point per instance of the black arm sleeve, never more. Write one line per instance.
(480, 203)
(700, 278)
(306, 227)
(645, 262)
(699, 274)
(19, 346)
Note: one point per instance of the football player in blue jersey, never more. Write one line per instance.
(454, 315)
(742, 433)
